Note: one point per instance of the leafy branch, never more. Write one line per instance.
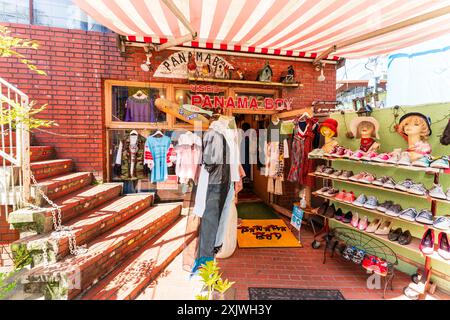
(9, 46)
(212, 279)
(6, 285)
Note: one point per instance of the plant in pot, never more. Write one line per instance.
(214, 286)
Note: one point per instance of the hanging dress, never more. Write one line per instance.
(159, 148)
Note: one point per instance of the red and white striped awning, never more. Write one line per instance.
(299, 28)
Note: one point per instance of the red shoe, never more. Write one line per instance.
(427, 243)
(341, 195)
(369, 262)
(349, 197)
(382, 267)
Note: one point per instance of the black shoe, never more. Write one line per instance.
(338, 215)
(322, 209)
(395, 234)
(330, 212)
(347, 217)
(405, 238)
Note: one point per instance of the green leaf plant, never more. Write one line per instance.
(6, 286)
(212, 280)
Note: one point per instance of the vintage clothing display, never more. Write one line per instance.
(188, 157)
(129, 160)
(305, 139)
(159, 148)
(142, 110)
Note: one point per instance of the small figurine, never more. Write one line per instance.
(366, 129)
(240, 74)
(288, 76)
(192, 67)
(415, 127)
(206, 70)
(328, 129)
(265, 74)
(220, 72)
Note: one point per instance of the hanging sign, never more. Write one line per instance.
(206, 65)
(206, 101)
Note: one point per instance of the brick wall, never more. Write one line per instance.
(78, 62)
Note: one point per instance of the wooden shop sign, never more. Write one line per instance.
(205, 101)
(175, 66)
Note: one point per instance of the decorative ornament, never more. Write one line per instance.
(265, 74)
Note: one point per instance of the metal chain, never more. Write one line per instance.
(60, 230)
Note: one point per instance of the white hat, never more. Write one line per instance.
(357, 121)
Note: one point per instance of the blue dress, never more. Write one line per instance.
(159, 147)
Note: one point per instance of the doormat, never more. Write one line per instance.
(294, 294)
(271, 233)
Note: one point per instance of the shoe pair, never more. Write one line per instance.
(351, 253)
(345, 196)
(378, 226)
(364, 177)
(370, 202)
(438, 192)
(427, 244)
(340, 152)
(376, 265)
(326, 210)
(427, 161)
(410, 186)
(403, 237)
(390, 157)
(316, 153)
(344, 217)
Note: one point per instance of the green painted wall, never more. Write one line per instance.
(389, 140)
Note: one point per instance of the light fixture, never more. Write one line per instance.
(147, 66)
(321, 77)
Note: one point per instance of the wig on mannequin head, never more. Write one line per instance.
(418, 119)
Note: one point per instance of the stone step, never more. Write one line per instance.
(135, 273)
(85, 227)
(37, 153)
(71, 276)
(51, 168)
(56, 187)
(71, 206)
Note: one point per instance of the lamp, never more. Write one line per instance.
(321, 77)
(147, 65)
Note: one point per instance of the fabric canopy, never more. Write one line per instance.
(300, 28)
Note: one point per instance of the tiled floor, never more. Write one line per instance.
(282, 268)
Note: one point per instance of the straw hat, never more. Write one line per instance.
(354, 124)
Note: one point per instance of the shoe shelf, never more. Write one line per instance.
(381, 164)
(413, 246)
(372, 186)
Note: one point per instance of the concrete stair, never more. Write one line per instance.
(71, 276)
(135, 273)
(85, 227)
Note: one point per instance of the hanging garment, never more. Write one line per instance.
(129, 162)
(170, 158)
(159, 148)
(188, 157)
(141, 110)
(304, 140)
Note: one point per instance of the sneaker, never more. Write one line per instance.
(380, 181)
(437, 192)
(355, 220)
(425, 161)
(404, 185)
(347, 154)
(319, 169)
(323, 190)
(360, 200)
(346, 175)
(425, 216)
(336, 173)
(381, 268)
(405, 159)
(349, 197)
(442, 223)
(370, 156)
(441, 163)
(363, 222)
(382, 207)
(338, 215)
(332, 151)
(327, 171)
(443, 246)
(390, 183)
(382, 157)
(339, 152)
(373, 225)
(371, 203)
(357, 176)
(409, 214)
(394, 156)
(369, 262)
(358, 256)
(357, 155)
(384, 228)
(394, 210)
(368, 178)
(427, 242)
(341, 195)
(348, 252)
(331, 192)
(347, 217)
(418, 189)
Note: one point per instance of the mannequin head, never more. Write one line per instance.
(366, 130)
(415, 125)
(328, 128)
(327, 132)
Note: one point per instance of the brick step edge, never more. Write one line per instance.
(128, 280)
(55, 189)
(57, 280)
(58, 248)
(51, 168)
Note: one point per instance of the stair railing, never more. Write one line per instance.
(14, 149)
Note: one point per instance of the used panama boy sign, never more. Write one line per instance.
(241, 102)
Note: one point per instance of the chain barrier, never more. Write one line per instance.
(60, 230)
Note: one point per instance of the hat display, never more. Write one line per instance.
(354, 124)
(331, 124)
(418, 114)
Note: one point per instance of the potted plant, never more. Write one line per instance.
(214, 286)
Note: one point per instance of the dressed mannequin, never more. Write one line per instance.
(328, 129)
(415, 127)
(366, 129)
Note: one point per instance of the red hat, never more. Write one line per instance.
(330, 124)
